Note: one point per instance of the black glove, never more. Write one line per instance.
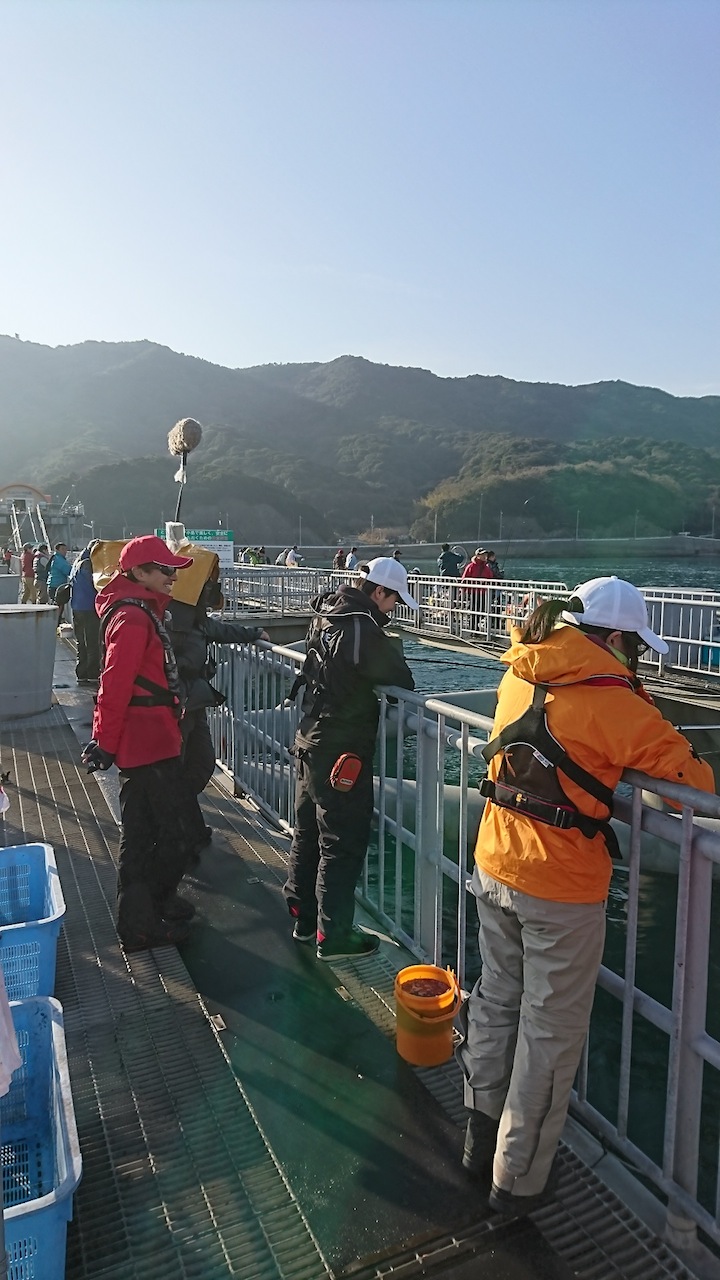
(94, 756)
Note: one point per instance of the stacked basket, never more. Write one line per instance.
(41, 1161)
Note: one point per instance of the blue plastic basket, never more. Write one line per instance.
(41, 1164)
(31, 911)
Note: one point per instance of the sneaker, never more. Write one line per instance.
(304, 932)
(520, 1206)
(350, 946)
(176, 908)
(480, 1142)
(163, 934)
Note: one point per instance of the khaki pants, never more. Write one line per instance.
(526, 1021)
(28, 591)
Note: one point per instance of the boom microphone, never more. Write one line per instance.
(182, 439)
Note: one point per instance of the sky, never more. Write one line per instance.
(528, 188)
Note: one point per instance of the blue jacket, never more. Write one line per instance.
(82, 588)
(58, 571)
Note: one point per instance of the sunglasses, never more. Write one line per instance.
(168, 570)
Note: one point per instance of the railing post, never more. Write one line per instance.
(428, 844)
(685, 1068)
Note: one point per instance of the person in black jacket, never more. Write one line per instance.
(347, 656)
(191, 631)
(449, 562)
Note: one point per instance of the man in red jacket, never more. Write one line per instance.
(136, 726)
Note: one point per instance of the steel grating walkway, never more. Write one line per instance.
(179, 1178)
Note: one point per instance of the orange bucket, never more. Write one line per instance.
(425, 1022)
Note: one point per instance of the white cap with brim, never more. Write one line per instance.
(617, 605)
(386, 572)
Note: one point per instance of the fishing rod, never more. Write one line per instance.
(509, 540)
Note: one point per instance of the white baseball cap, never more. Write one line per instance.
(384, 571)
(616, 604)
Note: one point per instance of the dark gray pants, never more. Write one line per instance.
(153, 843)
(329, 843)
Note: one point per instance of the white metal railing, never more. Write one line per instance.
(415, 880)
(477, 611)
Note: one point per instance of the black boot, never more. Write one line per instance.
(480, 1142)
(520, 1206)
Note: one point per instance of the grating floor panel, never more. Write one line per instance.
(177, 1179)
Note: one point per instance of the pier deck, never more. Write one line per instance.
(241, 1108)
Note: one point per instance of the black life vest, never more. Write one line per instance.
(158, 695)
(528, 782)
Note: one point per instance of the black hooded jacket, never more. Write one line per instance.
(348, 654)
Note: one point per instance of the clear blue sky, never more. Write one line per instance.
(518, 187)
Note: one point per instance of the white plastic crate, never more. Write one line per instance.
(31, 913)
(41, 1163)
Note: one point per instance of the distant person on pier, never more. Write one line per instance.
(351, 562)
(347, 657)
(7, 558)
(493, 566)
(41, 560)
(280, 560)
(339, 560)
(28, 574)
(58, 573)
(448, 562)
(293, 560)
(397, 554)
(86, 623)
(477, 569)
(571, 715)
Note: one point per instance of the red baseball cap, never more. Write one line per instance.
(150, 550)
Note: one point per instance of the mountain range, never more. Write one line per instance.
(347, 445)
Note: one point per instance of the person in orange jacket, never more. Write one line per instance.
(571, 715)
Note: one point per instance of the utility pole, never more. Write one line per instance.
(577, 524)
(480, 519)
(435, 529)
(636, 520)
(300, 533)
(712, 531)
(500, 529)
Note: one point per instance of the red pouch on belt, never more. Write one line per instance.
(345, 772)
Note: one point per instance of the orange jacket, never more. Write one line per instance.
(603, 728)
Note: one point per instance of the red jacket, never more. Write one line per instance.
(134, 735)
(477, 569)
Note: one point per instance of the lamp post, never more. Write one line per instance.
(480, 519)
(577, 524)
(500, 529)
(636, 520)
(435, 529)
(712, 531)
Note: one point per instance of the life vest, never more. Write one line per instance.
(158, 695)
(528, 782)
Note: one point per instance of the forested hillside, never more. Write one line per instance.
(349, 443)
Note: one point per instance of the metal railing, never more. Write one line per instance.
(476, 612)
(415, 884)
